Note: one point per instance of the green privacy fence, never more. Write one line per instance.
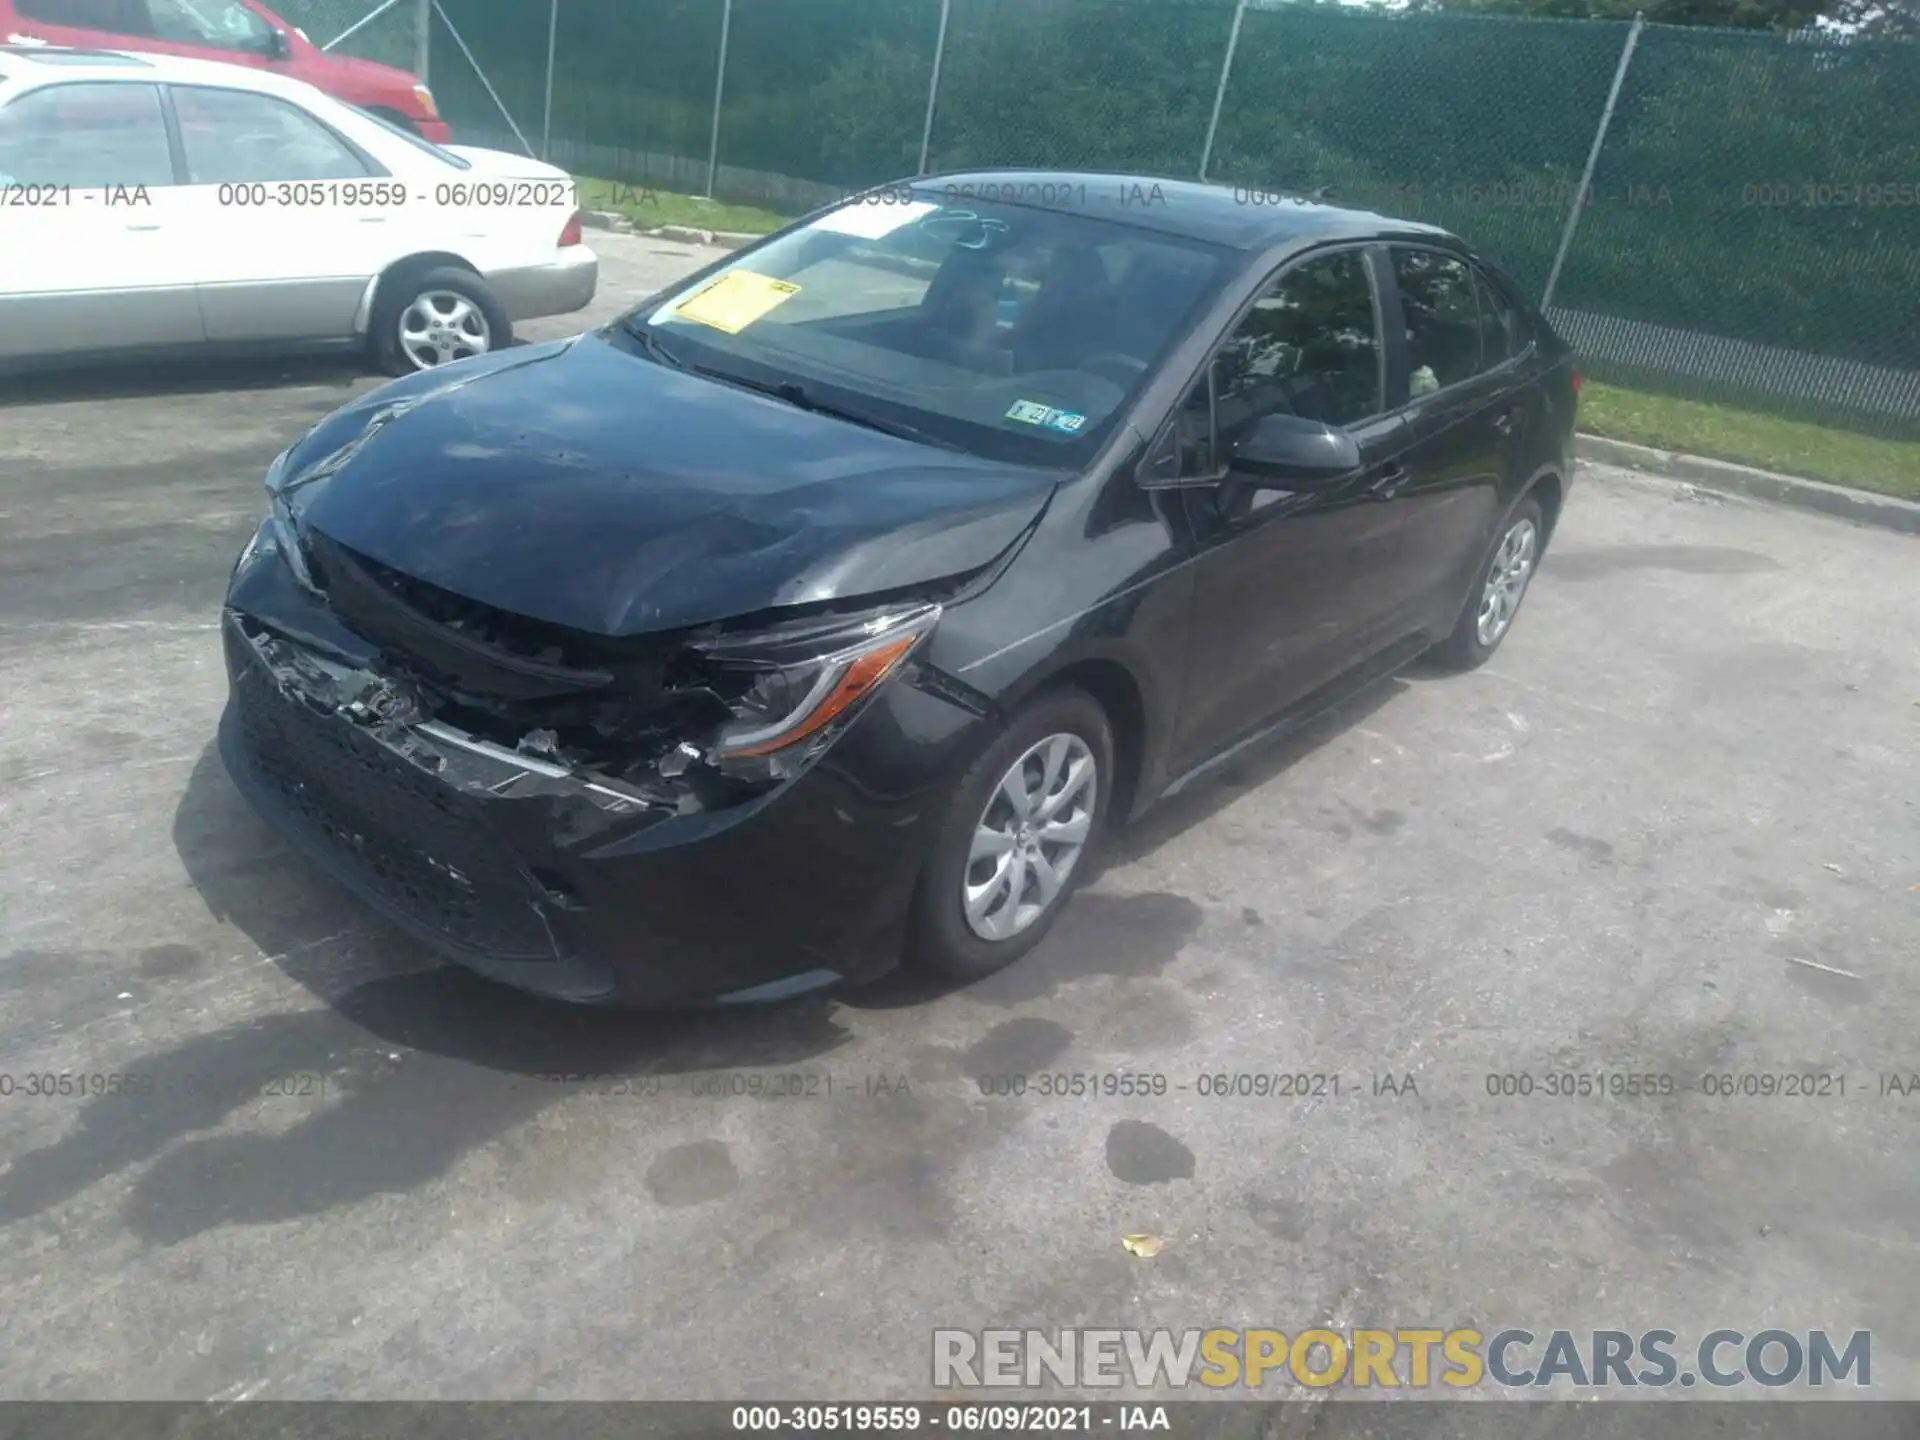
(1750, 231)
(1755, 203)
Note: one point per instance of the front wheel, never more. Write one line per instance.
(1498, 589)
(430, 318)
(1017, 835)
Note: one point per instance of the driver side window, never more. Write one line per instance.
(1309, 347)
(226, 24)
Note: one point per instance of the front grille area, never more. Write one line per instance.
(417, 845)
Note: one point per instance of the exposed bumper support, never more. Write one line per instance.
(466, 763)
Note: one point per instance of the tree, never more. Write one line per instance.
(1781, 15)
(1875, 19)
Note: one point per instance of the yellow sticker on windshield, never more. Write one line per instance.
(735, 300)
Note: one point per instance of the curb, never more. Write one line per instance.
(718, 239)
(619, 224)
(1884, 511)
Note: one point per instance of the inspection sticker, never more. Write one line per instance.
(734, 301)
(1032, 412)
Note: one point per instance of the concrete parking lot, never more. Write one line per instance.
(1673, 829)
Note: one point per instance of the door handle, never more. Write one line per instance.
(373, 219)
(1389, 483)
(148, 227)
(1503, 422)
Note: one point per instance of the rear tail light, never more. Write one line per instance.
(573, 234)
(1576, 379)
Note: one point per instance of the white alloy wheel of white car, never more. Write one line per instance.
(152, 204)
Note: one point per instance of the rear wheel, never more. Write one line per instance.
(426, 318)
(1018, 834)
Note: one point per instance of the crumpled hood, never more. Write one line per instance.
(579, 484)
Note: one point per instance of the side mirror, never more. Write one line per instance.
(1295, 454)
(278, 46)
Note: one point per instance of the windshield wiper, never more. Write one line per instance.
(650, 342)
(791, 391)
(799, 396)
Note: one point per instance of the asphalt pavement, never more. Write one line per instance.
(1673, 829)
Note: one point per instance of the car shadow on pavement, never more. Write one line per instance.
(1261, 765)
(133, 380)
(1107, 932)
(407, 1065)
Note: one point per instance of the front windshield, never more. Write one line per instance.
(1013, 333)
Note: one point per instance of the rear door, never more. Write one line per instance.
(295, 218)
(1462, 400)
(95, 254)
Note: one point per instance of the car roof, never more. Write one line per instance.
(1242, 218)
(34, 64)
(72, 59)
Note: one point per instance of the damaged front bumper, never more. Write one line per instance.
(557, 879)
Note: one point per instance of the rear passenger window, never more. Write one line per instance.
(1443, 320)
(1501, 334)
(87, 134)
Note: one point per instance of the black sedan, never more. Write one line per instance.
(833, 605)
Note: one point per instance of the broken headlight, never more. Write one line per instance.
(792, 693)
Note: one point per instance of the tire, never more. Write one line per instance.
(442, 288)
(941, 938)
(1470, 644)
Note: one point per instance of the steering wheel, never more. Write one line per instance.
(1121, 369)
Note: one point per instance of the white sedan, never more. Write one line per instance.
(150, 204)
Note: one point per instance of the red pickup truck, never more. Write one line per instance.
(243, 32)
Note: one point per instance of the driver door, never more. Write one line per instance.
(1291, 585)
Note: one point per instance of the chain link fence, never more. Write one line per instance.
(1726, 215)
(389, 36)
